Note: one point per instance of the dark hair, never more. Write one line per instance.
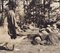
(12, 4)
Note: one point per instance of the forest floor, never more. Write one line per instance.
(25, 46)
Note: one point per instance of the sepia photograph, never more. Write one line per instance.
(29, 26)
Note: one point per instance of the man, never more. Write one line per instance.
(11, 18)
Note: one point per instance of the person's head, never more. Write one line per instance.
(54, 26)
(11, 4)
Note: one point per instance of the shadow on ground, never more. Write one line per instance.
(6, 48)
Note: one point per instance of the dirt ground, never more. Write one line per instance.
(25, 45)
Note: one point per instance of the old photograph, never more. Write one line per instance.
(29, 26)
